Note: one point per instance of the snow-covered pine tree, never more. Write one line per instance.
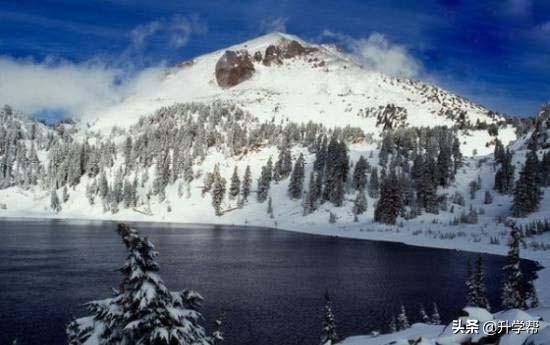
(264, 182)
(270, 207)
(311, 196)
(55, 204)
(359, 179)
(429, 186)
(471, 290)
(296, 184)
(207, 184)
(436, 318)
(143, 311)
(331, 217)
(374, 184)
(321, 156)
(499, 154)
(217, 334)
(445, 166)
(504, 177)
(402, 319)
(337, 166)
(393, 325)
(545, 169)
(235, 186)
(423, 315)
(218, 190)
(481, 300)
(103, 185)
(527, 193)
(389, 204)
(65, 195)
(458, 159)
(283, 166)
(512, 289)
(329, 335)
(246, 184)
(360, 203)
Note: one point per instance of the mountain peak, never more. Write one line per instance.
(263, 41)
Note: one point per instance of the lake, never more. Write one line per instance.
(269, 283)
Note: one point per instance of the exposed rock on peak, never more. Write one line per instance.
(233, 68)
(272, 56)
(286, 49)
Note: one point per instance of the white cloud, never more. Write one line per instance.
(176, 31)
(181, 28)
(376, 52)
(82, 89)
(273, 25)
(140, 33)
(77, 89)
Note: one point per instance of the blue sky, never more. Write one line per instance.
(494, 52)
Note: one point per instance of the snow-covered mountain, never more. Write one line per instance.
(282, 77)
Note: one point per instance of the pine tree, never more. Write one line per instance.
(504, 177)
(235, 186)
(311, 196)
(143, 311)
(331, 218)
(65, 194)
(481, 300)
(217, 334)
(270, 207)
(296, 184)
(360, 204)
(359, 180)
(527, 193)
(337, 167)
(374, 184)
(389, 204)
(436, 318)
(329, 335)
(499, 153)
(444, 165)
(283, 166)
(458, 159)
(55, 204)
(393, 325)
(402, 319)
(264, 183)
(423, 315)
(246, 184)
(545, 170)
(470, 286)
(512, 289)
(218, 191)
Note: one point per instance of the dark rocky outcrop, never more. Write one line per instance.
(258, 56)
(272, 56)
(233, 68)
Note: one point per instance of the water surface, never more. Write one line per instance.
(269, 283)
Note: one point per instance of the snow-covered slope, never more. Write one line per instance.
(322, 84)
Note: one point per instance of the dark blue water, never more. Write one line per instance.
(270, 283)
